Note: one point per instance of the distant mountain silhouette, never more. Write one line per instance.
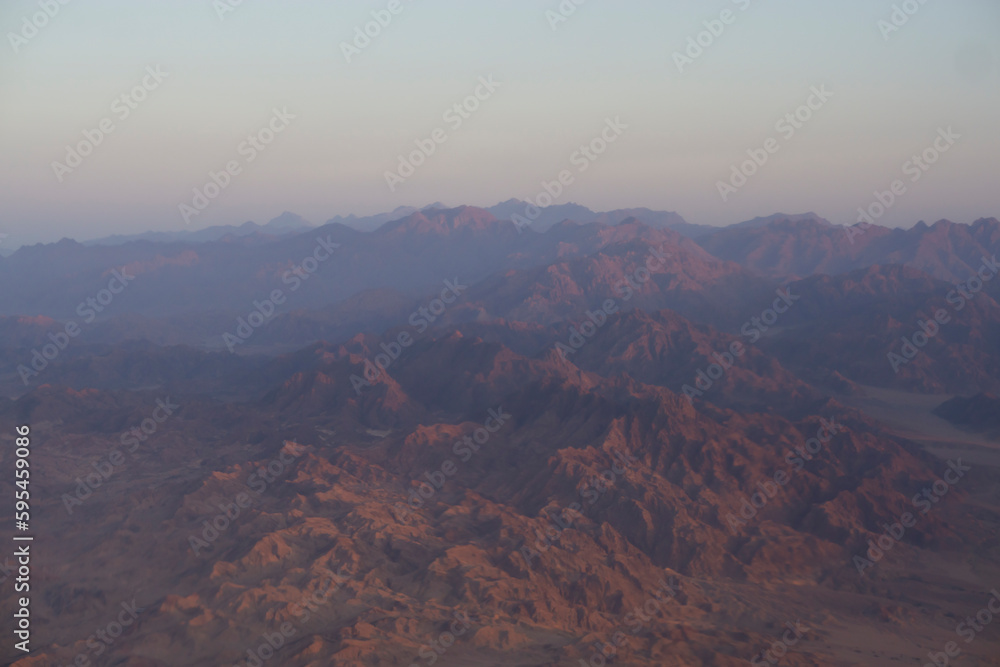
(285, 223)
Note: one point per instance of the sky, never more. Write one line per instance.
(346, 118)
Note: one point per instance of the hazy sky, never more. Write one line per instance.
(609, 59)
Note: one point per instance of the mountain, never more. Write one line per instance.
(682, 277)
(192, 295)
(848, 325)
(453, 440)
(551, 215)
(411, 255)
(780, 219)
(547, 215)
(372, 222)
(404, 510)
(664, 349)
(285, 223)
(804, 245)
(977, 413)
(651, 218)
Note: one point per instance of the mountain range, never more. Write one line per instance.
(606, 424)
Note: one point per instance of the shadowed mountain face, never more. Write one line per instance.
(315, 268)
(460, 442)
(891, 326)
(286, 223)
(977, 413)
(804, 245)
(551, 215)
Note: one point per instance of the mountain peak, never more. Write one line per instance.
(443, 221)
(784, 219)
